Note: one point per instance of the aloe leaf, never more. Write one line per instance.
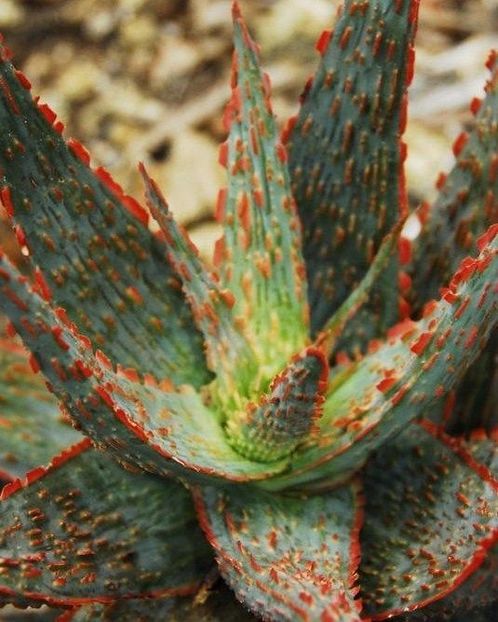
(98, 259)
(467, 203)
(259, 256)
(287, 558)
(220, 606)
(484, 449)
(228, 352)
(346, 158)
(144, 425)
(473, 404)
(474, 600)
(177, 433)
(334, 328)
(32, 429)
(403, 377)
(273, 427)
(84, 530)
(431, 515)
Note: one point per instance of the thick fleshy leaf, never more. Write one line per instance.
(228, 352)
(178, 428)
(346, 158)
(474, 404)
(153, 427)
(287, 558)
(475, 600)
(483, 446)
(32, 429)
(334, 328)
(400, 379)
(270, 429)
(286, 416)
(85, 530)
(259, 257)
(220, 606)
(467, 203)
(431, 515)
(99, 260)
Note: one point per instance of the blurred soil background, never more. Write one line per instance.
(147, 80)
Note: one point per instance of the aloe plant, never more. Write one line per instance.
(311, 417)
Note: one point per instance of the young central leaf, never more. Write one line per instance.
(284, 417)
(421, 362)
(259, 257)
(144, 425)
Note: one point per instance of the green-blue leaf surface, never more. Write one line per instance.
(86, 530)
(32, 428)
(98, 259)
(287, 558)
(346, 158)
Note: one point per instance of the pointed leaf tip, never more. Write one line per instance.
(259, 259)
(111, 253)
(350, 191)
(236, 10)
(227, 349)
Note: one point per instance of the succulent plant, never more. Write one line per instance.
(311, 417)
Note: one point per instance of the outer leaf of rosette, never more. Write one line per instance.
(473, 404)
(31, 425)
(220, 606)
(431, 516)
(346, 159)
(228, 352)
(474, 599)
(259, 257)
(467, 202)
(85, 530)
(97, 257)
(152, 427)
(466, 205)
(287, 557)
(401, 378)
(483, 447)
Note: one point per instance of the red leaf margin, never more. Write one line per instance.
(39, 473)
